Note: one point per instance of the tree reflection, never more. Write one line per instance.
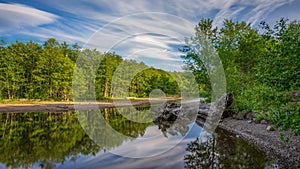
(44, 138)
(47, 139)
(115, 118)
(223, 151)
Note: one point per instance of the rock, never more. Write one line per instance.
(204, 106)
(169, 112)
(275, 166)
(249, 121)
(250, 116)
(263, 122)
(248, 131)
(171, 117)
(176, 110)
(240, 116)
(173, 105)
(255, 121)
(234, 116)
(201, 116)
(204, 111)
(270, 128)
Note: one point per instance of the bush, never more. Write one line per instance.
(287, 117)
(261, 98)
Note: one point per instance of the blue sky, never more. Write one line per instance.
(149, 31)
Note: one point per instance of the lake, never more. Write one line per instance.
(71, 140)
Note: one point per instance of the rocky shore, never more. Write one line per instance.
(262, 134)
(287, 154)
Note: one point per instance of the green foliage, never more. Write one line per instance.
(45, 72)
(287, 117)
(262, 67)
(260, 97)
(30, 70)
(149, 79)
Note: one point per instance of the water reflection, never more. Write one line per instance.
(223, 150)
(124, 125)
(112, 127)
(46, 139)
(43, 139)
(57, 140)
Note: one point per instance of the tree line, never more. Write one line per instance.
(45, 71)
(261, 65)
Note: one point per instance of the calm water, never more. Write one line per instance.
(58, 140)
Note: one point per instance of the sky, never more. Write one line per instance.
(144, 30)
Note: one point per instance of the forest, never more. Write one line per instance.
(261, 65)
(45, 72)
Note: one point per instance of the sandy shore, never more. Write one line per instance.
(70, 106)
(287, 154)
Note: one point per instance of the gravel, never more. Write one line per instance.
(287, 154)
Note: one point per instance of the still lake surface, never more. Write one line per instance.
(59, 140)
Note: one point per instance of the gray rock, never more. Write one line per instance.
(250, 116)
(240, 116)
(255, 121)
(204, 106)
(263, 122)
(204, 111)
(270, 128)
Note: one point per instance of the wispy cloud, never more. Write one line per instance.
(263, 9)
(250, 11)
(16, 16)
(119, 26)
(147, 36)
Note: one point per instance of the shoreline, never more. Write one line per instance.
(285, 154)
(71, 106)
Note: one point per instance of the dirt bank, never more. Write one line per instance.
(70, 106)
(287, 154)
